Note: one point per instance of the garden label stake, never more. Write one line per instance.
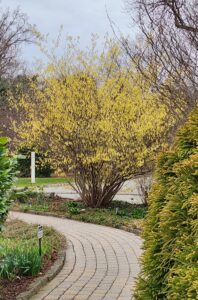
(40, 235)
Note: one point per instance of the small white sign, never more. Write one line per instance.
(40, 232)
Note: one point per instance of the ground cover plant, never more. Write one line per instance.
(117, 214)
(170, 260)
(19, 256)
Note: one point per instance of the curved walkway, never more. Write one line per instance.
(101, 262)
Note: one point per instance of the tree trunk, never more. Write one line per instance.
(95, 190)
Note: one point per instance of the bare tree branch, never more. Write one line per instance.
(14, 31)
(168, 46)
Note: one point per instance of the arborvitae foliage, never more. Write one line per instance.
(170, 259)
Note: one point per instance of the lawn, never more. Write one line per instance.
(26, 182)
(20, 262)
(118, 214)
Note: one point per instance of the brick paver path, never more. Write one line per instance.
(101, 262)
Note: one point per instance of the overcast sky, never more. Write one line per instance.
(79, 18)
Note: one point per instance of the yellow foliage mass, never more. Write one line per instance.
(93, 110)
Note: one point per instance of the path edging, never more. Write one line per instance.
(136, 231)
(43, 280)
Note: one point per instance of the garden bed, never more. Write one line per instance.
(118, 214)
(20, 263)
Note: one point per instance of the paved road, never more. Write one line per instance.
(129, 192)
(101, 262)
(65, 192)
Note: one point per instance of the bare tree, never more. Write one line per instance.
(168, 46)
(144, 183)
(14, 31)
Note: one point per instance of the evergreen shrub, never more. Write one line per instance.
(170, 259)
(7, 174)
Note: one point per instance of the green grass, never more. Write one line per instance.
(119, 214)
(26, 182)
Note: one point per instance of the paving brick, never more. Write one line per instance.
(101, 262)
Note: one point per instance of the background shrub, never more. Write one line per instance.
(7, 173)
(43, 169)
(170, 260)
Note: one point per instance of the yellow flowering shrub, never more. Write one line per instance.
(94, 118)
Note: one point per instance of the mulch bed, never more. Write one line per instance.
(9, 290)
